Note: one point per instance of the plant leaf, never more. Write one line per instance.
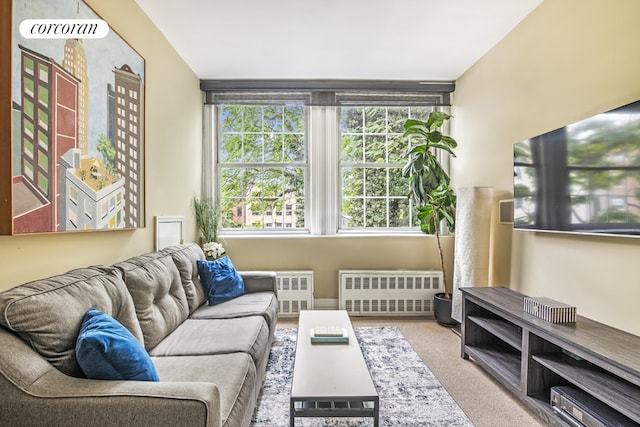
(449, 141)
(436, 119)
(410, 123)
(417, 131)
(445, 148)
(435, 136)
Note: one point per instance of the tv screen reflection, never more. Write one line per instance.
(584, 177)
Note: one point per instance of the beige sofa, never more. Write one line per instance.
(210, 360)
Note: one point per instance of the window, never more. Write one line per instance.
(262, 165)
(73, 195)
(28, 109)
(29, 65)
(317, 162)
(27, 168)
(29, 86)
(43, 95)
(43, 119)
(43, 161)
(373, 191)
(43, 139)
(28, 148)
(43, 183)
(73, 218)
(43, 72)
(103, 209)
(88, 206)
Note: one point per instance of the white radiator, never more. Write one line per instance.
(388, 292)
(295, 291)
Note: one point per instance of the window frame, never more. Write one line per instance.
(218, 166)
(368, 165)
(322, 198)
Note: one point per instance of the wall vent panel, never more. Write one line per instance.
(388, 292)
(295, 292)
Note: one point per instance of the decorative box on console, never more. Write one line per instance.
(549, 310)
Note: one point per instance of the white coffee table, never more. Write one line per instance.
(330, 380)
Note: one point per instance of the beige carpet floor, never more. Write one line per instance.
(485, 401)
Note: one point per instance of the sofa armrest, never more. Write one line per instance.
(35, 393)
(259, 281)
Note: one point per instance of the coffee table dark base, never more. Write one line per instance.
(353, 407)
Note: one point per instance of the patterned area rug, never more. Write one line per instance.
(410, 395)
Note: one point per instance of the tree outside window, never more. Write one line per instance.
(262, 165)
(374, 193)
(345, 162)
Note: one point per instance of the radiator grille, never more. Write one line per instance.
(295, 292)
(388, 292)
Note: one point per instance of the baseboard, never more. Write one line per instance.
(325, 303)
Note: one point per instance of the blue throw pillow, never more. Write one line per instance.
(106, 350)
(220, 280)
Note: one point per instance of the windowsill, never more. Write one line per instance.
(339, 235)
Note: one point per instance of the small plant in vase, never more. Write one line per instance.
(429, 185)
(213, 250)
(208, 215)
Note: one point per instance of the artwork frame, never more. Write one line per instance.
(170, 231)
(73, 146)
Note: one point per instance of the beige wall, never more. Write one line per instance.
(569, 59)
(173, 151)
(326, 255)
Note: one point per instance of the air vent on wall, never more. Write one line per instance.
(295, 291)
(388, 292)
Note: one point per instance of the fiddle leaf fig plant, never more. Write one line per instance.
(429, 183)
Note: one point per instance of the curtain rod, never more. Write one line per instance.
(222, 85)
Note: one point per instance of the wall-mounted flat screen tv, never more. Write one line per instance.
(582, 178)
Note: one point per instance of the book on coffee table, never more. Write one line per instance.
(329, 335)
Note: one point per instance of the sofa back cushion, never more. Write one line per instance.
(186, 257)
(47, 313)
(154, 283)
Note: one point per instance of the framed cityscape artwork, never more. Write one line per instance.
(73, 141)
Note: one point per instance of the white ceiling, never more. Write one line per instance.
(427, 40)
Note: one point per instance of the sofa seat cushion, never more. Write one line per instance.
(251, 304)
(234, 374)
(154, 283)
(47, 313)
(200, 337)
(186, 257)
